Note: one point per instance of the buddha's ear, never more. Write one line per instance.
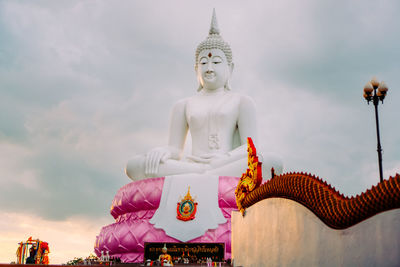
(198, 79)
(231, 66)
(227, 85)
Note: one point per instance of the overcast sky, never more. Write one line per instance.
(85, 85)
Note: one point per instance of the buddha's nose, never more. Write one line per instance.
(209, 67)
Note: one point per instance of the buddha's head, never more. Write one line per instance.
(213, 60)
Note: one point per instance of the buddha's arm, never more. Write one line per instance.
(178, 129)
(247, 123)
(177, 134)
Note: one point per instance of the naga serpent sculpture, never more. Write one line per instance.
(252, 178)
(334, 209)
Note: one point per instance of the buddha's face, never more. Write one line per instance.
(213, 70)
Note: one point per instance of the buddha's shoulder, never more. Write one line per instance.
(180, 105)
(182, 102)
(243, 99)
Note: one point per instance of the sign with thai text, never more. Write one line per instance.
(191, 251)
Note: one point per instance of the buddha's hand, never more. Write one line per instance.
(210, 158)
(154, 158)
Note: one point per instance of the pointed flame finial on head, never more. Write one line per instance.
(214, 24)
(214, 41)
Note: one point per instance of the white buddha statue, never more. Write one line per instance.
(218, 119)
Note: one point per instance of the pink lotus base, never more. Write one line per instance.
(135, 204)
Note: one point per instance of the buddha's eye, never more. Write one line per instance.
(203, 61)
(217, 60)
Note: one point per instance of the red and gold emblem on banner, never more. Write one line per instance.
(186, 209)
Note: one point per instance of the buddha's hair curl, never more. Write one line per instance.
(214, 41)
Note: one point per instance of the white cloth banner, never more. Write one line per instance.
(204, 189)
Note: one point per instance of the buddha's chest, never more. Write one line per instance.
(212, 113)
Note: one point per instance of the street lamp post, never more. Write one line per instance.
(375, 92)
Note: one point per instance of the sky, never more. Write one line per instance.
(86, 85)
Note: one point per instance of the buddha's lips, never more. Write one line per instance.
(209, 75)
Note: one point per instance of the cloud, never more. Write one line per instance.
(72, 162)
(67, 239)
(10, 156)
(84, 86)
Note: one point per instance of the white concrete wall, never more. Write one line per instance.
(281, 232)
